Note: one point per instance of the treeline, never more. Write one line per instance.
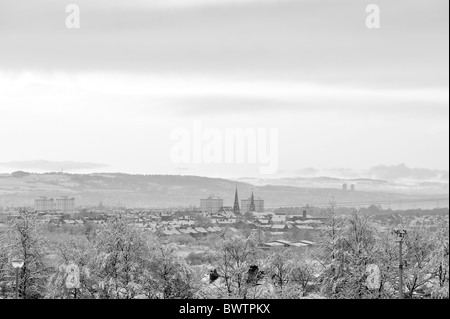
(117, 261)
(372, 210)
(379, 211)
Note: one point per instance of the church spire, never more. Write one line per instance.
(236, 209)
(252, 203)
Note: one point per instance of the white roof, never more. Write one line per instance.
(284, 242)
(303, 227)
(307, 242)
(312, 221)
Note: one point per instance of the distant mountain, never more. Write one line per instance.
(361, 184)
(392, 173)
(22, 188)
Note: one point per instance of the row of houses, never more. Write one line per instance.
(288, 224)
(287, 244)
(197, 231)
(169, 223)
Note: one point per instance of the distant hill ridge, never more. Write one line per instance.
(21, 188)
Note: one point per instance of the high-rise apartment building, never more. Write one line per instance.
(44, 204)
(65, 205)
(253, 204)
(212, 204)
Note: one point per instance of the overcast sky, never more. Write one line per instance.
(111, 92)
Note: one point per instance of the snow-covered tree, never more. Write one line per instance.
(346, 250)
(119, 265)
(166, 275)
(22, 240)
(237, 266)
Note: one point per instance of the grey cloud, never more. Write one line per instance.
(330, 172)
(302, 40)
(402, 171)
(308, 172)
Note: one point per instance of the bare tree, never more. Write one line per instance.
(419, 270)
(303, 272)
(233, 259)
(167, 276)
(279, 267)
(441, 260)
